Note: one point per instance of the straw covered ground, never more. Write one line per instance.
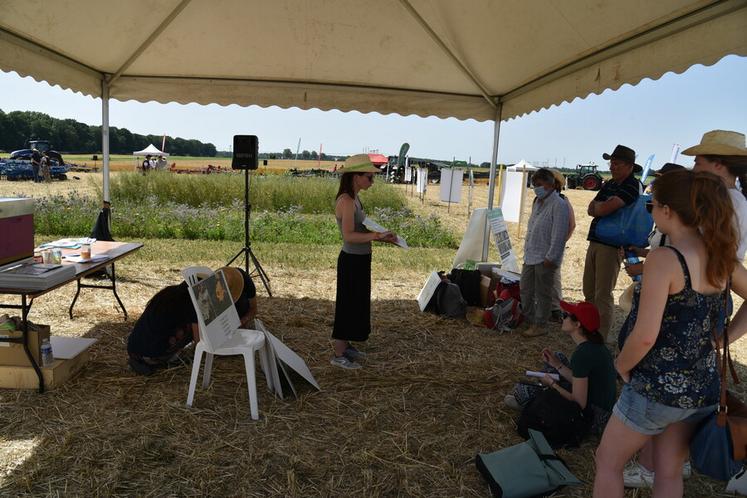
(408, 424)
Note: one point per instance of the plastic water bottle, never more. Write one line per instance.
(632, 259)
(47, 358)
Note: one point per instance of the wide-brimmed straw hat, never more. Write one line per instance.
(719, 143)
(559, 177)
(359, 163)
(234, 279)
(625, 154)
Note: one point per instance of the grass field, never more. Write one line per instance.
(409, 424)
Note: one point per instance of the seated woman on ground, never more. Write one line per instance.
(589, 378)
(169, 322)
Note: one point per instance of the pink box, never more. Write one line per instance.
(16, 229)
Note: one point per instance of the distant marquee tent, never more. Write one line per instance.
(150, 150)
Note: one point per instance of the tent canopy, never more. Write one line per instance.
(423, 57)
(150, 150)
(522, 166)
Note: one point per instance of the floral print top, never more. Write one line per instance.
(680, 370)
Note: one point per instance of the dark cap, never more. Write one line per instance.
(668, 167)
(625, 154)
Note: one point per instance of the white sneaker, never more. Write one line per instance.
(738, 483)
(637, 476)
(510, 401)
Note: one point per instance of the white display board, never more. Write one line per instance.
(426, 293)
(422, 181)
(408, 171)
(502, 241)
(471, 245)
(451, 185)
(512, 192)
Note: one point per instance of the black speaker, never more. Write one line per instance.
(245, 152)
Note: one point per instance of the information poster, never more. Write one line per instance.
(451, 185)
(502, 241)
(422, 182)
(408, 171)
(512, 191)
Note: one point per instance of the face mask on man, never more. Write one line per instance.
(540, 192)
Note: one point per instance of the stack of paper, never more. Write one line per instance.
(31, 276)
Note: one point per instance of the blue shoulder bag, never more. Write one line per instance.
(628, 226)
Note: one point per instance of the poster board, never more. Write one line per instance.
(286, 358)
(513, 188)
(422, 180)
(502, 241)
(408, 171)
(471, 245)
(451, 185)
(216, 313)
(426, 293)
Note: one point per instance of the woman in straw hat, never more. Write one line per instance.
(169, 322)
(724, 154)
(353, 301)
(667, 358)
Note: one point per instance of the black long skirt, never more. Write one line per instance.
(353, 302)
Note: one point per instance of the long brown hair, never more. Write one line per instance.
(346, 185)
(735, 165)
(702, 200)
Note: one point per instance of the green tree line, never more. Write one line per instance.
(71, 136)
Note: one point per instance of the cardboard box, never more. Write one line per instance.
(484, 291)
(15, 377)
(12, 353)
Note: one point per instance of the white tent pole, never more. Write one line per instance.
(491, 181)
(105, 135)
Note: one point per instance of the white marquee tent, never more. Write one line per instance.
(150, 150)
(479, 59)
(522, 166)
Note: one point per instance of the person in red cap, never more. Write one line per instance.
(589, 378)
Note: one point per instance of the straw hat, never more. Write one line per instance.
(359, 163)
(559, 177)
(234, 279)
(719, 143)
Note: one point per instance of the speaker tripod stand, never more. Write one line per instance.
(246, 251)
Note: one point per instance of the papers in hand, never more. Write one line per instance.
(375, 227)
(532, 373)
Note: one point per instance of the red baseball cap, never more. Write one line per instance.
(585, 312)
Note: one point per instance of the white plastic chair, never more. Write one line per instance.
(223, 337)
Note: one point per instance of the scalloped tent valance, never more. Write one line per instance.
(425, 57)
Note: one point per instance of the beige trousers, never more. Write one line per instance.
(600, 276)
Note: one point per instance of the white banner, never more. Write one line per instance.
(451, 185)
(512, 191)
(408, 171)
(422, 184)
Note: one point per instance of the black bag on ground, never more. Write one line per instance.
(562, 422)
(525, 470)
(469, 283)
(447, 300)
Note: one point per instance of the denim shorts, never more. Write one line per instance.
(649, 417)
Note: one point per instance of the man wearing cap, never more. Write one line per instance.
(602, 260)
(169, 322)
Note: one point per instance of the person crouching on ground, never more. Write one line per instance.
(353, 301)
(588, 379)
(169, 322)
(543, 252)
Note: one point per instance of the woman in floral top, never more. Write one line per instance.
(668, 362)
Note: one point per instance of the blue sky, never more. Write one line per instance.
(649, 117)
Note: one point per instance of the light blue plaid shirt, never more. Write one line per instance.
(546, 232)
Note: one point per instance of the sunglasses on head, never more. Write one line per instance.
(569, 315)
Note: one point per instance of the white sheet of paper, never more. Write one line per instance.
(65, 348)
(375, 227)
(532, 373)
